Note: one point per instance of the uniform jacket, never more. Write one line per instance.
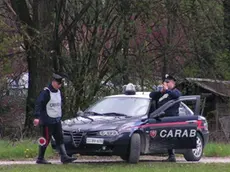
(40, 107)
(162, 98)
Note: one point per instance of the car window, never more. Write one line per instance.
(184, 110)
(131, 106)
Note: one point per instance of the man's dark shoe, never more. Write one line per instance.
(64, 157)
(67, 159)
(42, 161)
(170, 159)
(171, 156)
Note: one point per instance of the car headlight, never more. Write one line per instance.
(108, 133)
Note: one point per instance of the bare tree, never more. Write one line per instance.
(38, 22)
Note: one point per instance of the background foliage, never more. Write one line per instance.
(102, 45)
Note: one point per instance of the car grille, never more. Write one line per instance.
(77, 138)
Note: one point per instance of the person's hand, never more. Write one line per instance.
(159, 88)
(165, 86)
(36, 122)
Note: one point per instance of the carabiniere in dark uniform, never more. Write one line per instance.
(48, 114)
(162, 96)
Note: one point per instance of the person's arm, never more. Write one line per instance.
(62, 103)
(41, 102)
(155, 95)
(175, 93)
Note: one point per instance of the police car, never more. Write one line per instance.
(129, 125)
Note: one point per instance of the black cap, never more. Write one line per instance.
(169, 77)
(57, 77)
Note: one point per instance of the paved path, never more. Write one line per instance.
(118, 160)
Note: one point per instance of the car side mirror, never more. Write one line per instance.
(79, 113)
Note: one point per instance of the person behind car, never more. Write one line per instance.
(167, 92)
(48, 114)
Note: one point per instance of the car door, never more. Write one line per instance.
(176, 132)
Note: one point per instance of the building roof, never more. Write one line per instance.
(218, 87)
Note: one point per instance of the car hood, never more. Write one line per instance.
(98, 123)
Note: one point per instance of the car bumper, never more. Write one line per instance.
(111, 146)
(205, 135)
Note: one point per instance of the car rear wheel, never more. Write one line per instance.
(197, 153)
(135, 148)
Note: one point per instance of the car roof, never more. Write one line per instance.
(137, 95)
(146, 95)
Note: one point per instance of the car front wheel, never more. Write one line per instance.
(197, 153)
(135, 148)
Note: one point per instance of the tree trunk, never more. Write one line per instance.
(39, 70)
(227, 23)
(165, 65)
(38, 42)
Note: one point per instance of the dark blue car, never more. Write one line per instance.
(129, 126)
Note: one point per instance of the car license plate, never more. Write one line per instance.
(94, 141)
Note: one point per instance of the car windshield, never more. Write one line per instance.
(130, 106)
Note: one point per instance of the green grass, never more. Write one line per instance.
(217, 149)
(114, 167)
(28, 149)
(21, 150)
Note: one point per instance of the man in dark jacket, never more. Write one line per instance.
(48, 114)
(162, 96)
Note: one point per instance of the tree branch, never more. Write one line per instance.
(73, 24)
(21, 9)
(9, 7)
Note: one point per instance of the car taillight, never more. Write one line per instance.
(202, 125)
(199, 124)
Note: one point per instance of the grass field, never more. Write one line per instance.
(28, 150)
(217, 149)
(111, 167)
(21, 150)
